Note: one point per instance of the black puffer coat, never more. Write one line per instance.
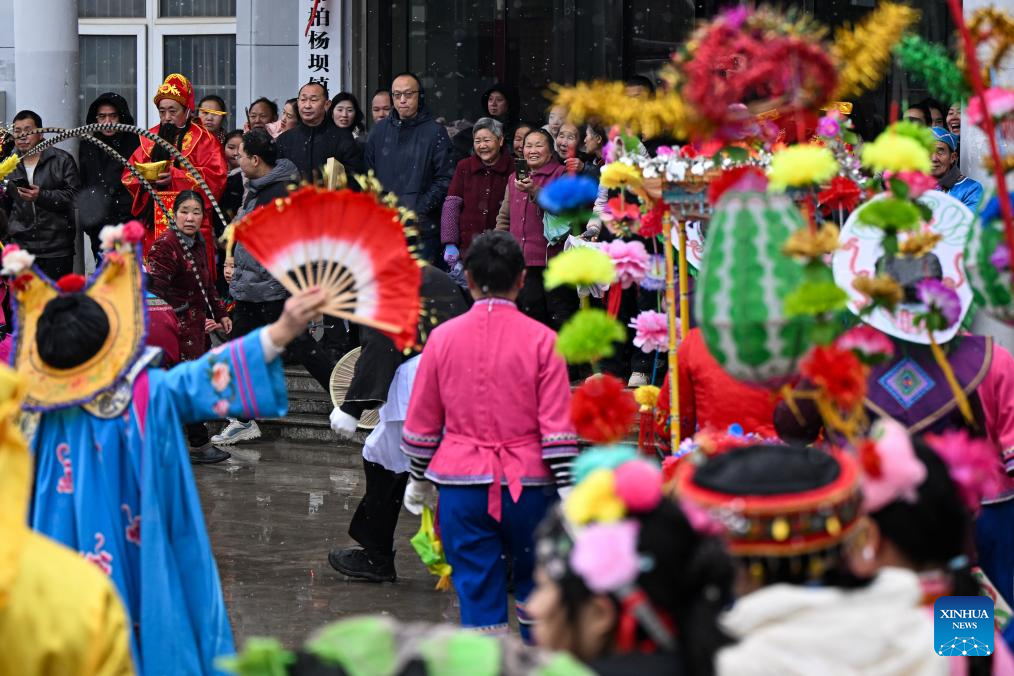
(45, 227)
(310, 147)
(103, 200)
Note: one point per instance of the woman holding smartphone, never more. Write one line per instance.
(520, 213)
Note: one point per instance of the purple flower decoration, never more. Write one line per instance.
(940, 300)
(654, 279)
(1001, 257)
(828, 126)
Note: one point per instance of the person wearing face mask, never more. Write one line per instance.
(179, 275)
(175, 102)
(103, 200)
(347, 115)
(521, 215)
(479, 182)
(411, 155)
(316, 137)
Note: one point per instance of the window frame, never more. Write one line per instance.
(151, 31)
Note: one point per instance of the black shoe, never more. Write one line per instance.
(208, 455)
(357, 563)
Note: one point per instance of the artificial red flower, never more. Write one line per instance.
(838, 372)
(602, 409)
(843, 194)
(869, 458)
(71, 283)
(739, 178)
(651, 222)
(21, 282)
(623, 209)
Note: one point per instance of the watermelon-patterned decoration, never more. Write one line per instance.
(988, 264)
(742, 285)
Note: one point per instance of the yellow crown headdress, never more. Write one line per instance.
(118, 288)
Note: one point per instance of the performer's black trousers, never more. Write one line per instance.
(376, 516)
(304, 349)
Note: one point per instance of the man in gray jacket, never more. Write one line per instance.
(259, 297)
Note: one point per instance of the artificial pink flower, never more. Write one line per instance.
(899, 472)
(974, 465)
(652, 331)
(630, 260)
(605, 556)
(221, 408)
(999, 102)
(221, 376)
(133, 232)
(917, 182)
(828, 126)
(639, 484)
(870, 345)
(664, 151)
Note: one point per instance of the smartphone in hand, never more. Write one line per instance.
(521, 168)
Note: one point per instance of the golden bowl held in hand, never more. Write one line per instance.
(151, 170)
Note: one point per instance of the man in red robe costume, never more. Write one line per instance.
(175, 102)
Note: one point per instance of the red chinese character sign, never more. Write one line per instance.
(320, 39)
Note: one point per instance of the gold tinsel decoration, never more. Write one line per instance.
(992, 29)
(863, 52)
(608, 103)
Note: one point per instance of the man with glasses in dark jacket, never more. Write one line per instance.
(39, 200)
(316, 137)
(410, 153)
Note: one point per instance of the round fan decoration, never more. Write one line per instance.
(341, 379)
(349, 245)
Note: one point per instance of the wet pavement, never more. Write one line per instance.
(273, 512)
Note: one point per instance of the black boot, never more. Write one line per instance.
(208, 455)
(363, 565)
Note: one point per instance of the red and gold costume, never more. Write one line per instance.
(201, 148)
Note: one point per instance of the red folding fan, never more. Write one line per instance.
(347, 244)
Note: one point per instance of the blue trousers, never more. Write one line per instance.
(477, 547)
(994, 542)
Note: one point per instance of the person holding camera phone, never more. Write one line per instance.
(39, 198)
(521, 215)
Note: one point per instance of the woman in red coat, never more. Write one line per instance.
(177, 271)
(476, 191)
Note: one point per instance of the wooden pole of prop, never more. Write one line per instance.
(979, 87)
(670, 302)
(684, 282)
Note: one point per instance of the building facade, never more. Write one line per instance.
(243, 49)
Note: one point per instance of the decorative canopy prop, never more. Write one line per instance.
(742, 286)
(861, 256)
(349, 245)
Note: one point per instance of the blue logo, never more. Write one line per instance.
(963, 626)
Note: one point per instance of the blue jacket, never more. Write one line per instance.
(966, 190)
(413, 159)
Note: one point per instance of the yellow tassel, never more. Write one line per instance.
(444, 583)
(9, 165)
(863, 52)
(959, 393)
(229, 237)
(789, 397)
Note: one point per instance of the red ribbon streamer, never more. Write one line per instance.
(313, 13)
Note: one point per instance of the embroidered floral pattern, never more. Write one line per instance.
(66, 482)
(221, 376)
(133, 529)
(99, 556)
(221, 407)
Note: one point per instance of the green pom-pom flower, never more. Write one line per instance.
(260, 657)
(816, 298)
(931, 64)
(891, 213)
(589, 336)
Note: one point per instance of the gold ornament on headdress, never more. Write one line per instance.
(863, 52)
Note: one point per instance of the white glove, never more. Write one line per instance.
(419, 494)
(343, 424)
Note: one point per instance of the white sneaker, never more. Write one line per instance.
(236, 432)
(636, 380)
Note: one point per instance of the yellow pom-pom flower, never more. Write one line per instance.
(9, 165)
(580, 266)
(896, 152)
(595, 499)
(801, 165)
(646, 396)
(619, 175)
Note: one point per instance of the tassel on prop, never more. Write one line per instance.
(943, 310)
(430, 549)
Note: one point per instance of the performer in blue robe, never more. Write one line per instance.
(112, 474)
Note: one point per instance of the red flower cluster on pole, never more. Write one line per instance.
(602, 409)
